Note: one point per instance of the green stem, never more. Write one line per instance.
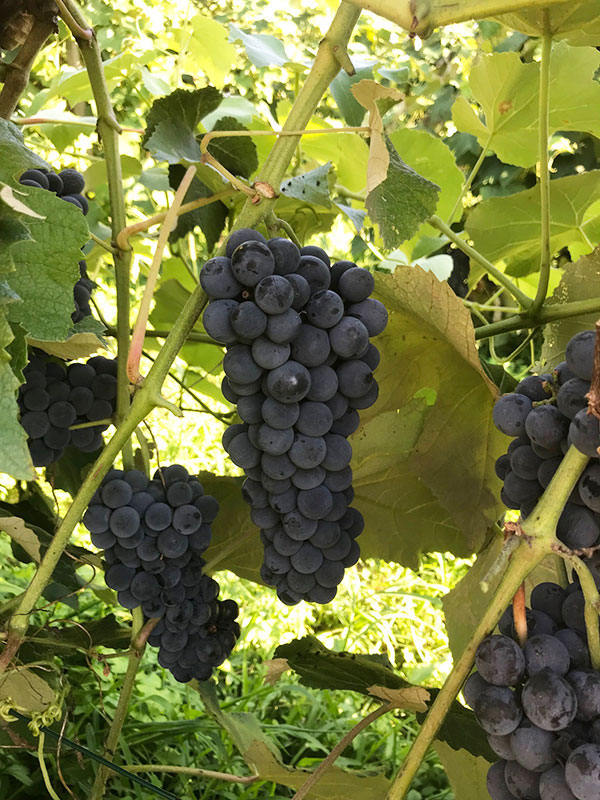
(337, 751)
(539, 540)
(547, 313)
(144, 401)
(497, 274)
(592, 605)
(323, 71)
(108, 133)
(195, 772)
(472, 175)
(522, 562)
(136, 653)
(544, 122)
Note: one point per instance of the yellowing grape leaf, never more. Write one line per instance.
(466, 773)
(413, 698)
(579, 23)
(368, 93)
(22, 535)
(25, 690)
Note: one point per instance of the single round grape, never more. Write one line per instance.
(35, 176)
(586, 684)
(522, 783)
(280, 415)
(273, 440)
(501, 746)
(297, 526)
(289, 383)
(62, 414)
(284, 544)
(283, 328)
(119, 577)
(72, 181)
(366, 400)
(349, 338)
(372, 313)
(525, 463)
(549, 701)
(315, 503)
(307, 560)
(158, 516)
(252, 261)
(217, 320)
(277, 467)
(285, 254)
(315, 419)
(510, 412)
(582, 771)
(250, 408)
(579, 354)
(325, 309)
(144, 586)
(321, 594)
(546, 652)
(186, 519)
(96, 518)
(300, 582)
(589, 487)
(584, 433)
(217, 279)
(307, 452)
(242, 452)
(553, 785)
(268, 354)
(326, 535)
(340, 549)
(573, 610)
(301, 290)
(124, 522)
(323, 384)
(317, 252)
(497, 710)
(500, 661)
(171, 543)
(57, 438)
(239, 365)
(355, 284)
(473, 687)
(179, 494)
(315, 271)
(338, 452)
(577, 527)
(285, 502)
(546, 426)
(240, 236)
(571, 397)
(576, 647)
(311, 346)
(330, 573)
(116, 493)
(308, 478)
(36, 399)
(354, 378)
(273, 294)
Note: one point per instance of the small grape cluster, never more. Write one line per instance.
(299, 366)
(69, 185)
(540, 704)
(57, 395)
(547, 413)
(154, 533)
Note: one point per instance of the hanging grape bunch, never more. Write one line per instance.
(540, 704)
(154, 533)
(299, 366)
(57, 396)
(69, 185)
(546, 414)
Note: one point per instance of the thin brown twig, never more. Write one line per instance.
(77, 30)
(520, 615)
(201, 773)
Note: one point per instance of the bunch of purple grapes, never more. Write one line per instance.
(540, 704)
(57, 396)
(68, 184)
(545, 415)
(299, 365)
(154, 533)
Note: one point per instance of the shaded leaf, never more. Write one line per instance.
(341, 89)
(236, 153)
(460, 730)
(466, 773)
(509, 228)
(577, 22)
(321, 668)
(210, 219)
(355, 215)
(413, 698)
(187, 107)
(25, 690)
(22, 535)
(401, 202)
(581, 280)
(9, 198)
(69, 472)
(311, 187)
(14, 453)
(433, 412)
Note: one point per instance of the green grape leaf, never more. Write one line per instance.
(47, 267)
(17, 351)
(321, 668)
(264, 758)
(402, 201)
(433, 160)
(580, 281)
(236, 153)
(340, 87)
(507, 91)
(171, 124)
(210, 219)
(466, 772)
(311, 187)
(306, 220)
(25, 690)
(262, 50)
(14, 453)
(69, 471)
(433, 411)
(508, 228)
(577, 22)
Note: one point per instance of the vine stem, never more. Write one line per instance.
(78, 31)
(544, 122)
(519, 615)
(126, 233)
(324, 69)
(139, 330)
(337, 751)
(144, 401)
(43, 768)
(446, 13)
(475, 255)
(592, 604)
(547, 313)
(472, 175)
(538, 532)
(195, 771)
(136, 653)
(108, 132)
(18, 71)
